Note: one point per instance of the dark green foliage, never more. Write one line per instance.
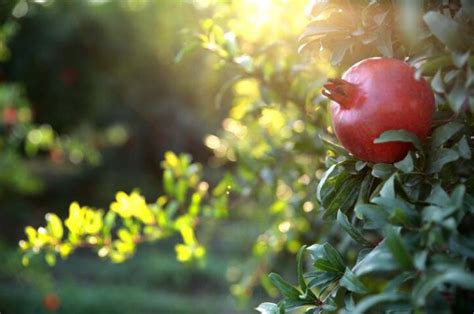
(411, 221)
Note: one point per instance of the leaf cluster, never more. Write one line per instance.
(130, 220)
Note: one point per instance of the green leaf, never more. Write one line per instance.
(388, 188)
(334, 256)
(393, 284)
(55, 225)
(462, 147)
(437, 82)
(437, 214)
(329, 305)
(458, 95)
(323, 181)
(440, 158)
(354, 233)
(384, 42)
(125, 235)
(419, 260)
(365, 304)
(399, 136)
(309, 45)
(186, 50)
(343, 197)
(171, 208)
(50, 259)
(349, 304)
(457, 195)
(338, 51)
(168, 182)
(365, 189)
(406, 165)
(109, 221)
(443, 133)
(181, 190)
(362, 254)
(281, 307)
(230, 43)
(194, 206)
(400, 217)
(268, 308)
(469, 203)
(460, 59)
(433, 64)
(451, 75)
(462, 245)
(291, 304)
(455, 276)
(359, 165)
(352, 283)
(315, 8)
(332, 146)
(299, 269)
(399, 210)
(326, 265)
(318, 279)
(318, 28)
(438, 196)
(327, 258)
(382, 171)
(379, 259)
(286, 289)
(447, 31)
(398, 248)
(377, 216)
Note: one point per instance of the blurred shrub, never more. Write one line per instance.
(78, 77)
(130, 220)
(96, 74)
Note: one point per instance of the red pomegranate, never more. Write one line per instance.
(376, 95)
(10, 115)
(51, 302)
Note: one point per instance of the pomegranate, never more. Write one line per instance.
(376, 95)
(51, 302)
(56, 155)
(10, 115)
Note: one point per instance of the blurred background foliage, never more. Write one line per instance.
(93, 94)
(92, 97)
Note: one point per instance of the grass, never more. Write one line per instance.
(151, 282)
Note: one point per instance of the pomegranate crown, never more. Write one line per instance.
(340, 91)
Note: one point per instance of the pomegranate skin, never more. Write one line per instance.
(376, 95)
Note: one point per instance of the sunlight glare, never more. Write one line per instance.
(262, 10)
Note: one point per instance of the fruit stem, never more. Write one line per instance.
(340, 91)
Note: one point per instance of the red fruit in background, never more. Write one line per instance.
(56, 155)
(9, 115)
(51, 302)
(374, 96)
(69, 76)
